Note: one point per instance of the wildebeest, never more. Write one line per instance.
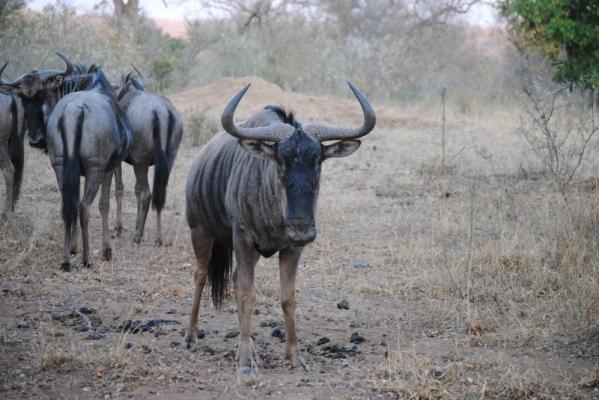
(11, 147)
(157, 130)
(86, 134)
(253, 191)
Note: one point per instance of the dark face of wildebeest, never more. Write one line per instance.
(298, 153)
(37, 90)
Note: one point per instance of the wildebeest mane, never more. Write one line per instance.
(285, 116)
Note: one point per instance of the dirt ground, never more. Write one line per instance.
(439, 266)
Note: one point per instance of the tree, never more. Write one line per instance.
(8, 7)
(567, 31)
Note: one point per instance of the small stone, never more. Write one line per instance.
(323, 340)
(278, 333)
(343, 305)
(436, 374)
(231, 333)
(356, 338)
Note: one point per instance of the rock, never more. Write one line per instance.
(323, 340)
(356, 338)
(436, 374)
(271, 323)
(231, 333)
(340, 351)
(357, 264)
(343, 305)
(278, 332)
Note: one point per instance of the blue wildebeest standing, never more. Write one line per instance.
(252, 191)
(11, 146)
(86, 134)
(157, 130)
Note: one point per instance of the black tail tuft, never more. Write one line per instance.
(219, 271)
(161, 161)
(15, 150)
(71, 174)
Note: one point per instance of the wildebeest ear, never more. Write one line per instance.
(258, 148)
(340, 149)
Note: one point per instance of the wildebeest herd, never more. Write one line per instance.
(252, 189)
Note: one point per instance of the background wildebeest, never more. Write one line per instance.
(157, 129)
(11, 146)
(253, 191)
(78, 103)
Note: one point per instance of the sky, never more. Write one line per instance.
(480, 15)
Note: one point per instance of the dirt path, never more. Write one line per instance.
(387, 226)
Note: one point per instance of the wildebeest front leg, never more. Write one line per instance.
(92, 184)
(288, 260)
(8, 169)
(104, 207)
(202, 247)
(143, 195)
(243, 279)
(119, 191)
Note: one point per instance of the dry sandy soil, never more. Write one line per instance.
(446, 271)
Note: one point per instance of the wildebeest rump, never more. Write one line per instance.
(252, 191)
(11, 147)
(157, 130)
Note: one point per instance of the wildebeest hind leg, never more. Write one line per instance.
(92, 184)
(202, 247)
(104, 206)
(288, 260)
(8, 170)
(143, 195)
(119, 191)
(243, 279)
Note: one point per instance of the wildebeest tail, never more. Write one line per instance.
(219, 271)
(15, 149)
(161, 161)
(71, 173)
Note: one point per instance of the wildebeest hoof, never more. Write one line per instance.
(297, 362)
(116, 233)
(107, 255)
(158, 243)
(65, 266)
(190, 345)
(86, 264)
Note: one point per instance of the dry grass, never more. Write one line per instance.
(482, 283)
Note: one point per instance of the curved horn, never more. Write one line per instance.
(270, 133)
(141, 76)
(69, 65)
(323, 133)
(12, 84)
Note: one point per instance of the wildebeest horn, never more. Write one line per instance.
(69, 65)
(323, 133)
(270, 133)
(12, 84)
(141, 76)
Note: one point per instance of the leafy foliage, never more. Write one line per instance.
(567, 31)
